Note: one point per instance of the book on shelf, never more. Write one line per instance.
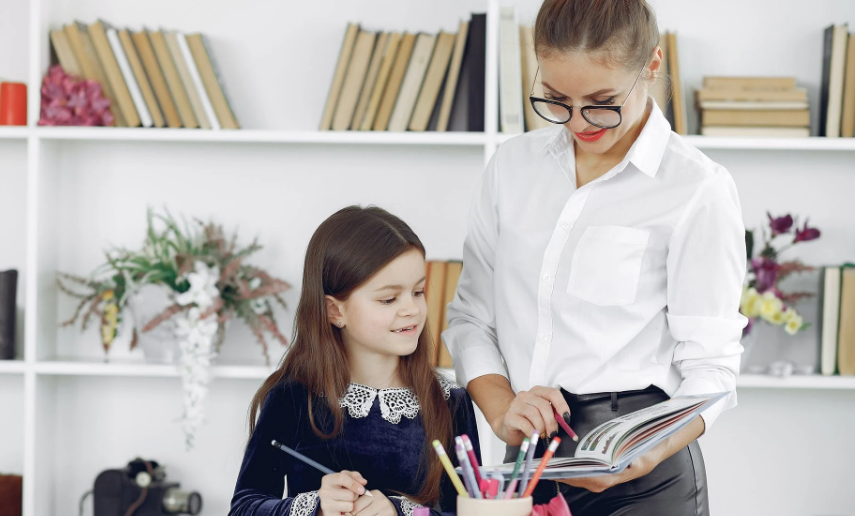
(837, 323)
(847, 121)
(62, 52)
(354, 76)
(467, 112)
(846, 330)
(122, 95)
(612, 446)
(396, 78)
(144, 47)
(835, 39)
(440, 287)
(195, 84)
(90, 65)
(678, 101)
(510, 72)
(453, 78)
(367, 88)
(140, 78)
(412, 83)
(212, 80)
(185, 81)
(130, 80)
(433, 81)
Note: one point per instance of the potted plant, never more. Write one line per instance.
(181, 289)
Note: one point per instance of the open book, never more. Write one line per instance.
(612, 446)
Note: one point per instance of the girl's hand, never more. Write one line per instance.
(377, 506)
(339, 491)
(531, 411)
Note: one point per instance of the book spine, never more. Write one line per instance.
(133, 88)
(197, 82)
(8, 295)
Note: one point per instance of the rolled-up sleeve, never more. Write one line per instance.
(471, 334)
(706, 270)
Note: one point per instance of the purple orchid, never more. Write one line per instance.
(806, 234)
(780, 225)
(765, 272)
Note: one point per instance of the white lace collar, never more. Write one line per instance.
(394, 402)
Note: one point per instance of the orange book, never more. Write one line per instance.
(435, 296)
(452, 275)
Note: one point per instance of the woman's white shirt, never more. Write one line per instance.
(631, 280)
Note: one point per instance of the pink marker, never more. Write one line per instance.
(472, 459)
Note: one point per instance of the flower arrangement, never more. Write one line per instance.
(209, 284)
(69, 100)
(761, 297)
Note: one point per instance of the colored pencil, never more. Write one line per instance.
(323, 469)
(473, 460)
(528, 458)
(472, 485)
(520, 458)
(446, 463)
(564, 425)
(543, 461)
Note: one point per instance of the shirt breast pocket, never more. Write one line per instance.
(607, 265)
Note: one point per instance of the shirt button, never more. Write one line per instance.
(565, 224)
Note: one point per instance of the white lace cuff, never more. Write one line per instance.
(304, 504)
(407, 507)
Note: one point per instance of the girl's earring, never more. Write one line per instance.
(340, 324)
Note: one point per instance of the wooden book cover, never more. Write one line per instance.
(835, 81)
(370, 79)
(727, 131)
(64, 52)
(435, 296)
(467, 113)
(775, 118)
(197, 86)
(434, 77)
(743, 95)
(141, 78)
(678, 101)
(748, 105)
(98, 33)
(128, 74)
(354, 78)
(830, 320)
(531, 84)
(396, 78)
(212, 80)
(412, 83)
(338, 76)
(158, 81)
(173, 79)
(847, 124)
(510, 73)
(846, 335)
(659, 90)
(750, 83)
(452, 275)
(389, 54)
(171, 38)
(453, 76)
(87, 58)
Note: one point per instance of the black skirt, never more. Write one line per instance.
(676, 487)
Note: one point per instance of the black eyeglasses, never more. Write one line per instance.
(604, 117)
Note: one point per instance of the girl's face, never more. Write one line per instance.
(581, 79)
(386, 315)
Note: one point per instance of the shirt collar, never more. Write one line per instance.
(646, 152)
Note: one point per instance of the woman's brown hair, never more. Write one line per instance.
(625, 30)
(345, 251)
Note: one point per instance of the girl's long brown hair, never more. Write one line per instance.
(346, 250)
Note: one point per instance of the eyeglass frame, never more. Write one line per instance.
(532, 99)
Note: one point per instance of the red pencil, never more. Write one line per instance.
(563, 424)
(546, 456)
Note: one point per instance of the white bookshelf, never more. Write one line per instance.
(81, 189)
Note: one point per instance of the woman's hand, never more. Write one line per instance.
(339, 491)
(639, 467)
(530, 412)
(377, 506)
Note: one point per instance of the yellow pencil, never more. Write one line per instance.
(443, 457)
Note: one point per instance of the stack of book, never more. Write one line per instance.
(399, 81)
(837, 91)
(440, 287)
(753, 106)
(837, 328)
(152, 78)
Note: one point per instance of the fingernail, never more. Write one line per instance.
(361, 490)
(553, 434)
(566, 417)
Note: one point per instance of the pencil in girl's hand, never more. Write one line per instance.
(446, 463)
(473, 460)
(528, 458)
(512, 485)
(320, 467)
(564, 425)
(546, 456)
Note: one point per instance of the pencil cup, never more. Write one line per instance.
(476, 507)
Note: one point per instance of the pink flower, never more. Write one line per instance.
(806, 234)
(69, 100)
(780, 225)
(765, 272)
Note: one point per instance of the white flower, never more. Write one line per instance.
(750, 305)
(196, 342)
(259, 306)
(794, 323)
(203, 286)
(254, 283)
(770, 308)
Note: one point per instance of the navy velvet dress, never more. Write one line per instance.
(382, 438)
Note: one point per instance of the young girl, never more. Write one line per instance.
(356, 391)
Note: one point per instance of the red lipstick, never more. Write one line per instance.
(590, 136)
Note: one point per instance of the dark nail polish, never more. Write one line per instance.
(566, 417)
(553, 434)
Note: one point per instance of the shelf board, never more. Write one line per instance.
(260, 136)
(91, 367)
(760, 381)
(12, 367)
(14, 133)
(798, 144)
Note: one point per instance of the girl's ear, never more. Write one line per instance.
(335, 311)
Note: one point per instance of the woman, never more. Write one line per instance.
(604, 264)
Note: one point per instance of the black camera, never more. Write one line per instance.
(140, 489)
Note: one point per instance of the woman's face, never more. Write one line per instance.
(581, 79)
